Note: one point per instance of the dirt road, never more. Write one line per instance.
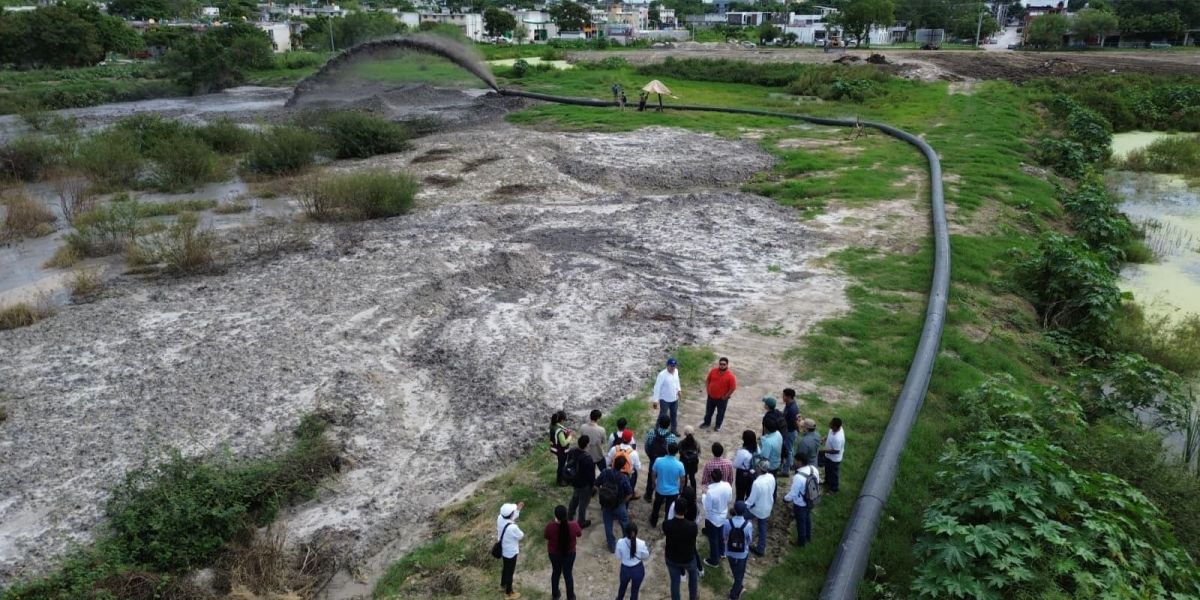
(941, 64)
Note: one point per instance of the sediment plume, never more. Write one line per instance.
(444, 47)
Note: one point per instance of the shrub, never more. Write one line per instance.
(225, 136)
(1072, 287)
(1066, 157)
(23, 315)
(282, 150)
(75, 196)
(84, 285)
(1129, 386)
(1174, 344)
(111, 158)
(1179, 155)
(182, 249)
(184, 163)
(149, 130)
(26, 217)
(371, 194)
(105, 231)
(358, 135)
(27, 157)
(1094, 214)
(64, 257)
(520, 68)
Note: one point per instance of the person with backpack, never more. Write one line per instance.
(632, 552)
(614, 491)
(810, 442)
(657, 442)
(627, 449)
(791, 429)
(689, 454)
(743, 464)
(717, 463)
(804, 495)
(761, 502)
(680, 553)
(716, 501)
(668, 479)
(560, 444)
(597, 434)
(738, 533)
(580, 471)
(560, 535)
(667, 394)
(618, 435)
(720, 385)
(508, 539)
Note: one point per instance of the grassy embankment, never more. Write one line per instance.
(983, 141)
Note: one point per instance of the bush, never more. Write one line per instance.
(520, 68)
(111, 158)
(182, 249)
(299, 60)
(1172, 343)
(362, 195)
(1094, 215)
(150, 131)
(183, 163)
(839, 82)
(84, 285)
(1072, 287)
(26, 217)
(1180, 155)
(105, 231)
(225, 136)
(1066, 157)
(358, 135)
(75, 196)
(23, 315)
(179, 514)
(28, 157)
(282, 150)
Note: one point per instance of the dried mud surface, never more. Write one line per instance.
(458, 326)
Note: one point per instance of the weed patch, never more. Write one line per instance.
(358, 135)
(184, 162)
(225, 136)
(110, 158)
(23, 314)
(26, 158)
(182, 249)
(84, 285)
(361, 195)
(1171, 155)
(282, 150)
(26, 217)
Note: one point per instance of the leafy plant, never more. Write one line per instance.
(282, 150)
(1071, 286)
(182, 248)
(361, 195)
(358, 135)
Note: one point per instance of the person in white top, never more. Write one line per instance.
(509, 534)
(760, 503)
(800, 508)
(627, 448)
(716, 502)
(743, 465)
(833, 453)
(667, 393)
(632, 552)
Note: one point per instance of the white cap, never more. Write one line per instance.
(508, 510)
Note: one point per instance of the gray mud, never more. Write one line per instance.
(441, 339)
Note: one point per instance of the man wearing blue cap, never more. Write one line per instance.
(667, 393)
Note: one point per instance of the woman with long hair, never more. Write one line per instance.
(743, 465)
(560, 537)
(632, 552)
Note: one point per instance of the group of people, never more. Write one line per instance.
(619, 98)
(730, 504)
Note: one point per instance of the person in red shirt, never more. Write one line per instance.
(720, 384)
(560, 535)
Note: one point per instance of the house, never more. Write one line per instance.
(705, 20)
(470, 24)
(538, 25)
(210, 12)
(280, 34)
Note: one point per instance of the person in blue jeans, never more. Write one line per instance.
(738, 553)
(761, 502)
(791, 433)
(614, 479)
(669, 476)
(800, 508)
(632, 552)
(680, 534)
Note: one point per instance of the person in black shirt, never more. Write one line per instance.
(585, 480)
(680, 553)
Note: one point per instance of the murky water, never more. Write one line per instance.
(1169, 208)
(1124, 143)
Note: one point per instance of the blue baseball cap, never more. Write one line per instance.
(671, 362)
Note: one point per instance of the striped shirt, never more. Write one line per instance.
(717, 463)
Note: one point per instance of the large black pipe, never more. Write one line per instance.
(850, 561)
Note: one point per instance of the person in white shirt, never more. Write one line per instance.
(833, 453)
(509, 534)
(760, 503)
(716, 501)
(667, 393)
(627, 448)
(800, 508)
(632, 552)
(743, 464)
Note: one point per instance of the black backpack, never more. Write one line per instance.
(610, 491)
(737, 538)
(658, 447)
(571, 468)
(691, 459)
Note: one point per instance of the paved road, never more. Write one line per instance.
(1003, 40)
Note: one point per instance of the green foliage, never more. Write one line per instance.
(1091, 22)
(372, 194)
(355, 28)
(1128, 384)
(282, 150)
(184, 162)
(110, 158)
(859, 16)
(498, 22)
(1014, 518)
(1095, 215)
(225, 136)
(1179, 155)
(570, 16)
(27, 157)
(1047, 31)
(359, 135)
(62, 35)
(1172, 343)
(1072, 286)
(830, 82)
(520, 68)
(1087, 136)
(182, 249)
(105, 230)
(219, 57)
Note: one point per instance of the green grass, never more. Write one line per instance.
(416, 67)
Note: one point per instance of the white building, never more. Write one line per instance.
(211, 12)
(471, 24)
(280, 33)
(538, 25)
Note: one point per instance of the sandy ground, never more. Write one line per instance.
(463, 323)
(940, 64)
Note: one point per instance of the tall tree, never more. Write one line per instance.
(1047, 31)
(654, 16)
(570, 16)
(857, 17)
(498, 22)
(1090, 22)
(219, 57)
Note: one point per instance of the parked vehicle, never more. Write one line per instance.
(1159, 45)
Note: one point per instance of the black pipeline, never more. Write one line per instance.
(850, 561)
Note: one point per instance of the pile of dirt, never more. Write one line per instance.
(424, 334)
